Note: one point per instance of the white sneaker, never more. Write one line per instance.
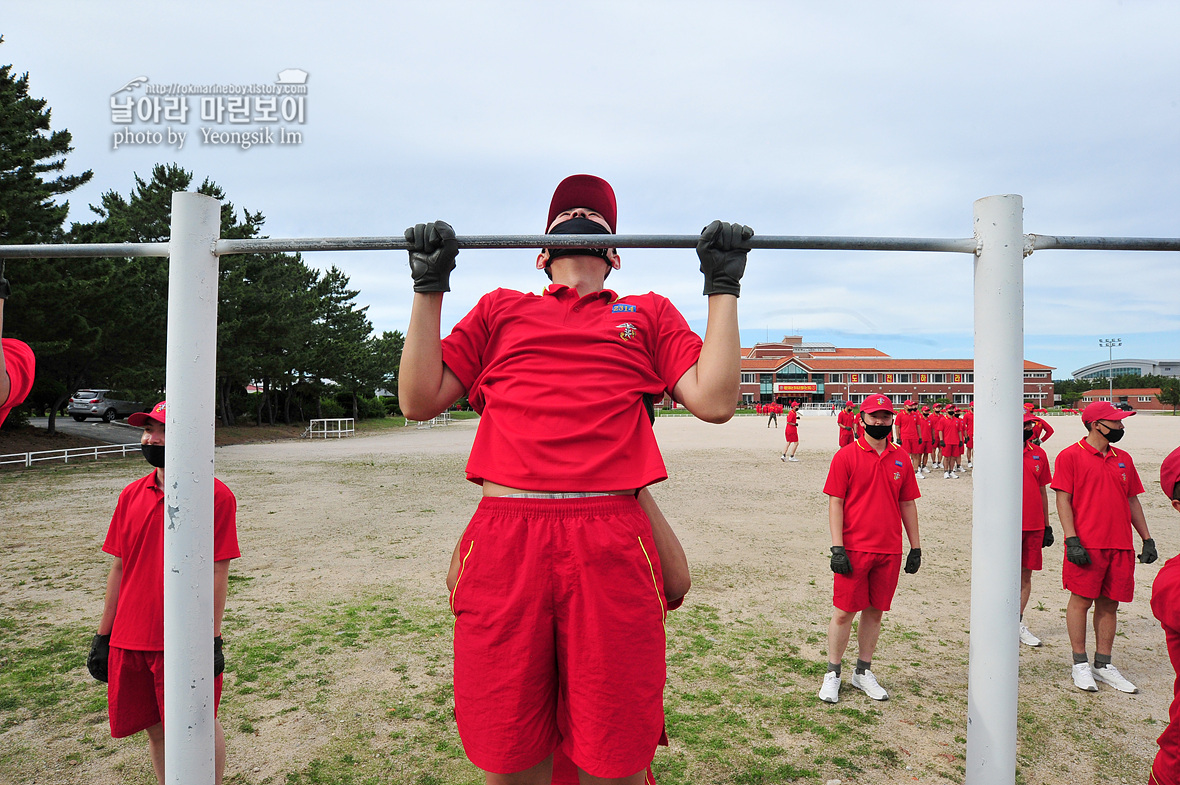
(968, 464)
(1027, 638)
(1083, 679)
(867, 683)
(830, 691)
(793, 459)
(946, 475)
(783, 457)
(1110, 675)
(953, 476)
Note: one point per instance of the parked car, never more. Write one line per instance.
(104, 404)
(1126, 407)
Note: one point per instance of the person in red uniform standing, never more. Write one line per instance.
(926, 434)
(969, 433)
(950, 442)
(1165, 605)
(559, 560)
(845, 421)
(909, 435)
(17, 364)
(1098, 506)
(791, 432)
(871, 492)
(1036, 533)
(128, 650)
(1041, 429)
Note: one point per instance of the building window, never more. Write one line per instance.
(835, 377)
(964, 398)
(969, 378)
(766, 378)
(748, 378)
(901, 378)
(747, 398)
(928, 397)
(938, 378)
(1145, 398)
(868, 378)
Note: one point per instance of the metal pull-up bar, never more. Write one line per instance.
(998, 245)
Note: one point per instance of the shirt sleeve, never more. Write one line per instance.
(463, 350)
(111, 544)
(225, 523)
(1046, 476)
(837, 482)
(677, 347)
(909, 487)
(1063, 471)
(21, 366)
(1134, 484)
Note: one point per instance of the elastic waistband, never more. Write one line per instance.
(610, 504)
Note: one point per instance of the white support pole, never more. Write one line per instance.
(188, 492)
(995, 532)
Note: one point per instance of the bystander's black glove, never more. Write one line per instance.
(840, 563)
(218, 657)
(100, 653)
(913, 561)
(1048, 538)
(722, 250)
(432, 255)
(1149, 555)
(1075, 552)
(1037, 442)
(5, 289)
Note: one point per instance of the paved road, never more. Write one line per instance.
(116, 432)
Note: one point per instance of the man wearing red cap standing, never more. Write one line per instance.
(128, 651)
(1036, 533)
(1041, 429)
(791, 432)
(845, 421)
(908, 435)
(871, 491)
(558, 568)
(1165, 604)
(1098, 505)
(16, 361)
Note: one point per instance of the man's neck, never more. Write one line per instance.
(160, 478)
(877, 444)
(1097, 441)
(585, 274)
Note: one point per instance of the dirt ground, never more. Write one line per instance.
(333, 519)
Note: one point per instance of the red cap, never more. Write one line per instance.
(849, 404)
(925, 408)
(1104, 410)
(1170, 472)
(877, 403)
(139, 419)
(1029, 406)
(795, 405)
(584, 190)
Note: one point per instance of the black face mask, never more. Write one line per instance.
(877, 431)
(578, 226)
(1113, 435)
(1028, 433)
(153, 454)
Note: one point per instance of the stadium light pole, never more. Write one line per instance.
(1110, 343)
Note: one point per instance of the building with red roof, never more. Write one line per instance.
(1139, 398)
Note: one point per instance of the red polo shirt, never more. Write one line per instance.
(20, 364)
(907, 426)
(1036, 475)
(1100, 485)
(872, 487)
(558, 380)
(1165, 604)
(136, 535)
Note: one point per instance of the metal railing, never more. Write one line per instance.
(29, 458)
(442, 419)
(331, 426)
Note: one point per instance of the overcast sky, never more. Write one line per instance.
(797, 118)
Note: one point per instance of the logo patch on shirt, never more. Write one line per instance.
(897, 463)
(897, 475)
(1122, 465)
(622, 308)
(629, 330)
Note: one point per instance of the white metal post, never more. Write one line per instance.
(996, 510)
(188, 493)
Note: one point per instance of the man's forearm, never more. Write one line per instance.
(220, 591)
(1138, 519)
(420, 375)
(1065, 513)
(111, 600)
(836, 520)
(909, 520)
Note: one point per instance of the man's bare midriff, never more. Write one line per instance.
(495, 489)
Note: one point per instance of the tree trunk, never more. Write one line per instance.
(356, 414)
(53, 412)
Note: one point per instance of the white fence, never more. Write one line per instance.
(443, 419)
(338, 427)
(29, 458)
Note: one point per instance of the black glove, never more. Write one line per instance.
(100, 652)
(1048, 538)
(433, 255)
(1075, 552)
(722, 251)
(913, 561)
(5, 289)
(840, 563)
(218, 657)
(1149, 555)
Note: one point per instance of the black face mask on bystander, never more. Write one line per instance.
(153, 454)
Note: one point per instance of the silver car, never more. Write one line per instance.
(103, 404)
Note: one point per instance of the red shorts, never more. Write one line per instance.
(1030, 549)
(911, 446)
(952, 450)
(566, 773)
(135, 692)
(871, 583)
(845, 437)
(1110, 574)
(791, 432)
(559, 596)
